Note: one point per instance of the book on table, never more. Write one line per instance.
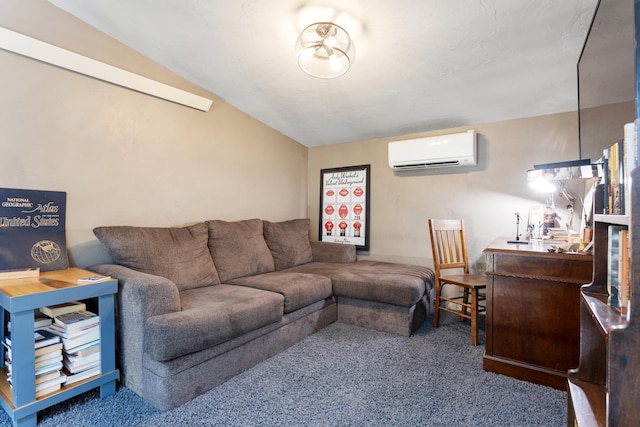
(55, 380)
(77, 340)
(40, 321)
(52, 348)
(78, 359)
(19, 273)
(93, 279)
(51, 367)
(47, 376)
(78, 364)
(64, 308)
(55, 366)
(48, 390)
(73, 350)
(86, 349)
(82, 375)
(71, 333)
(41, 338)
(70, 345)
(76, 330)
(38, 244)
(82, 368)
(48, 360)
(76, 320)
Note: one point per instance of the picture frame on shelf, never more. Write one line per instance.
(345, 205)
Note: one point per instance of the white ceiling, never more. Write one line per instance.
(420, 65)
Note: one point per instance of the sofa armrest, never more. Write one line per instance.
(140, 297)
(144, 294)
(332, 252)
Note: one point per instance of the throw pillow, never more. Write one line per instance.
(178, 253)
(288, 242)
(238, 248)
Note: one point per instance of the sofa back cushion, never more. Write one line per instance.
(238, 248)
(288, 242)
(178, 253)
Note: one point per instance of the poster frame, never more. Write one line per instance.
(342, 188)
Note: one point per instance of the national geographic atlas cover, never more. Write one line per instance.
(32, 229)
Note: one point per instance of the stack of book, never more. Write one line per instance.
(48, 362)
(80, 335)
(618, 268)
(618, 162)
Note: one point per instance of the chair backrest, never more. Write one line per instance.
(448, 244)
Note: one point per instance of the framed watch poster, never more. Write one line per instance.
(344, 205)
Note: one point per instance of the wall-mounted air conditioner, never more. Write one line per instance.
(459, 149)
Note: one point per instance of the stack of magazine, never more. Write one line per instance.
(79, 332)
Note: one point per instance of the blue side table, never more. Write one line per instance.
(20, 297)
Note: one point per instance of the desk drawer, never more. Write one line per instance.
(555, 267)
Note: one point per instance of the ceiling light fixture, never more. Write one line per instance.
(325, 50)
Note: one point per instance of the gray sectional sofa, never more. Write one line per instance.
(200, 304)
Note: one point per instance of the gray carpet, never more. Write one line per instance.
(345, 376)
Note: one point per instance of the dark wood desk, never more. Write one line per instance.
(533, 311)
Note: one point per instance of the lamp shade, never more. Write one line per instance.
(325, 50)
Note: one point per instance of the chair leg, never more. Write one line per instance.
(474, 317)
(436, 305)
(465, 300)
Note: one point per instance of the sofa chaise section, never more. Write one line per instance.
(384, 296)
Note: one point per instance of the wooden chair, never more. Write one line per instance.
(450, 252)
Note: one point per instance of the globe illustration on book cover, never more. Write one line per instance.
(46, 251)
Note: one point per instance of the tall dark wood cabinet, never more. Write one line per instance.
(604, 390)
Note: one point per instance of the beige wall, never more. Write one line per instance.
(129, 158)
(486, 196)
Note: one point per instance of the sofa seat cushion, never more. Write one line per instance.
(210, 316)
(179, 254)
(298, 289)
(238, 248)
(288, 242)
(384, 282)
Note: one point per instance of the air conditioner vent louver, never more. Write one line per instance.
(452, 150)
(428, 165)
